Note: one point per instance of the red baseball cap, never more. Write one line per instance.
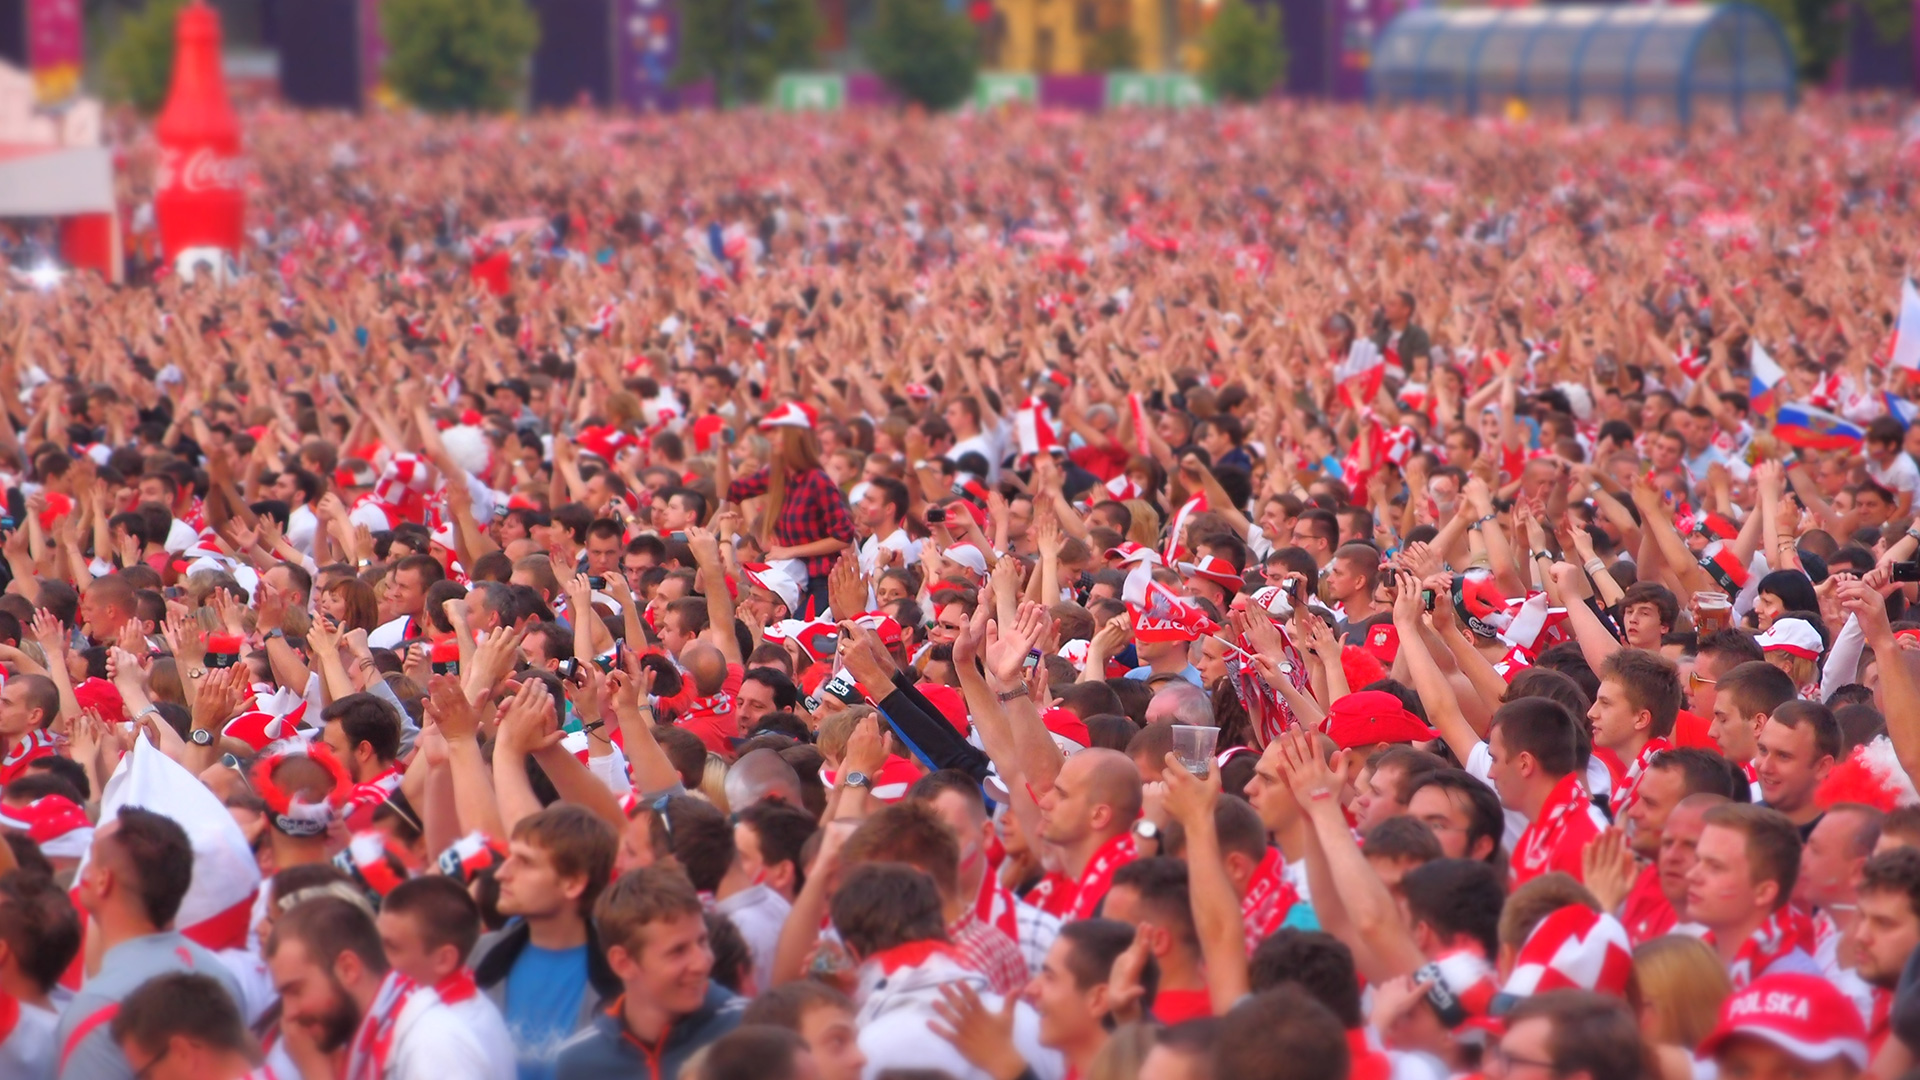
(1374, 716)
(1805, 1015)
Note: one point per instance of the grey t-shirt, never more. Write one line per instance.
(125, 967)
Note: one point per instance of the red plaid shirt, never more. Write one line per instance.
(814, 510)
(988, 950)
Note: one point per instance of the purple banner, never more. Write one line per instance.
(865, 90)
(649, 47)
(1084, 93)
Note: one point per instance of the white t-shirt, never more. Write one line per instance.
(389, 635)
(983, 446)
(479, 1015)
(1901, 476)
(432, 1042)
(907, 546)
(301, 525)
(758, 913)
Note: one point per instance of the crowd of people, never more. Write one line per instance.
(1302, 593)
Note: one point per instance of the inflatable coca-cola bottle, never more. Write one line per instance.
(199, 202)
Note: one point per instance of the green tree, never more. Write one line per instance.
(138, 66)
(926, 53)
(1245, 58)
(743, 44)
(450, 55)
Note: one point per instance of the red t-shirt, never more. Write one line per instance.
(1105, 462)
(1647, 912)
(716, 729)
(1175, 1006)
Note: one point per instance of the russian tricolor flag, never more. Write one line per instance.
(1900, 408)
(1816, 429)
(1766, 375)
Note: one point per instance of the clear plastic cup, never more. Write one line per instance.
(1712, 612)
(1193, 745)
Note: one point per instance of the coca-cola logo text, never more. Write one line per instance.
(206, 170)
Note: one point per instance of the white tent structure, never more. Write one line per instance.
(53, 166)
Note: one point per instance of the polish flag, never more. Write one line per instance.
(1360, 374)
(1176, 551)
(1035, 428)
(1766, 374)
(1906, 335)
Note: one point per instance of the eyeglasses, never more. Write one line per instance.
(1695, 680)
(1500, 1062)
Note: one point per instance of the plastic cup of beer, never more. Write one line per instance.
(1193, 745)
(1712, 612)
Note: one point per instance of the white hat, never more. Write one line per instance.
(792, 414)
(1795, 637)
(783, 579)
(968, 556)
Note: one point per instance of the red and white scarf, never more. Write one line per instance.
(456, 987)
(1270, 897)
(358, 810)
(1783, 932)
(996, 906)
(1628, 785)
(1098, 876)
(30, 747)
(1566, 805)
(367, 1057)
(715, 707)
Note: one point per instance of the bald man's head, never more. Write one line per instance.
(708, 667)
(760, 774)
(1115, 781)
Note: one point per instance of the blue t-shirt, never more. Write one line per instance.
(543, 1005)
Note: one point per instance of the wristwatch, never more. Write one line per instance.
(859, 780)
(1147, 830)
(200, 737)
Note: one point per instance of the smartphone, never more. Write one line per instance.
(727, 436)
(596, 582)
(1907, 571)
(1033, 659)
(936, 515)
(1426, 599)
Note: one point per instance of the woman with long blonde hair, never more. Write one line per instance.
(1680, 982)
(804, 515)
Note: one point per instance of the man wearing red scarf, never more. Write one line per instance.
(1536, 770)
(1089, 814)
(1749, 860)
(1633, 717)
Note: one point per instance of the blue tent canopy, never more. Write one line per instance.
(1632, 61)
